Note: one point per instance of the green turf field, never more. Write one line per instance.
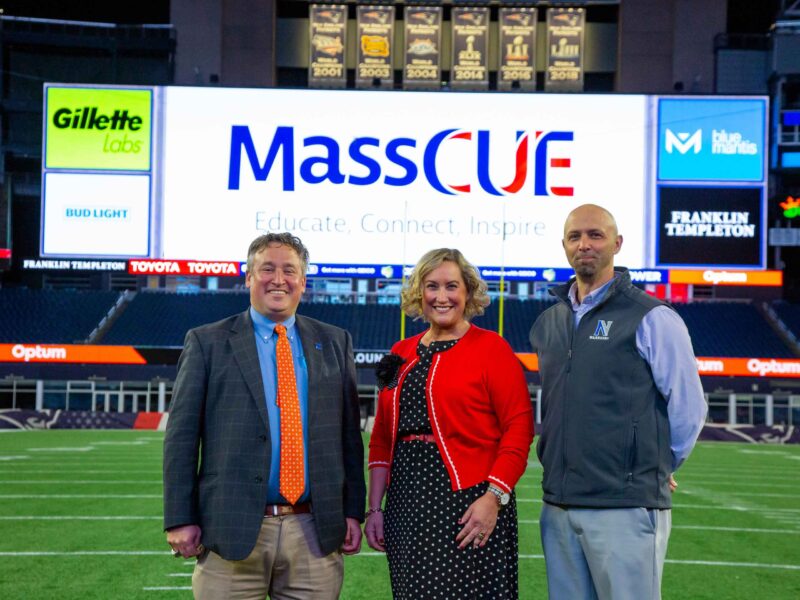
(80, 518)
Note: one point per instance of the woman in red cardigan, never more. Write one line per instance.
(452, 435)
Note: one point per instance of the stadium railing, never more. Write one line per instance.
(779, 408)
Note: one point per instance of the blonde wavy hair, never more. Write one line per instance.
(411, 295)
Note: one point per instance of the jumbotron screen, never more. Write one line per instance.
(378, 178)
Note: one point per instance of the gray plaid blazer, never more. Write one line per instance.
(217, 446)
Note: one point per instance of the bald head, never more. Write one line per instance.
(590, 242)
(595, 214)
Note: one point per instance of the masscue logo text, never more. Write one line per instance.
(402, 161)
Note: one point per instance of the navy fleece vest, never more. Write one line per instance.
(605, 438)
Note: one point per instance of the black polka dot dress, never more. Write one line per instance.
(422, 513)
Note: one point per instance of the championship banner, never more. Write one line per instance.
(422, 68)
(517, 29)
(327, 25)
(375, 41)
(565, 27)
(470, 48)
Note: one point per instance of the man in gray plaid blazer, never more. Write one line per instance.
(222, 500)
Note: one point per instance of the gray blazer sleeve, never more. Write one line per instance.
(352, 445)
(182, 440)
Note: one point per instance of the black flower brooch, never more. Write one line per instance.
(387, 370)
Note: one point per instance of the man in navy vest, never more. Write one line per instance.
(622, 406)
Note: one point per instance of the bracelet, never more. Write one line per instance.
(372, 511)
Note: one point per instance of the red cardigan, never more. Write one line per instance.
(478, 406)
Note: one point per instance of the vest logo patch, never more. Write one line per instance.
(602, 330)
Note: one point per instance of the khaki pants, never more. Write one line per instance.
(285, 564)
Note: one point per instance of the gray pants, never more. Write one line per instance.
(605, 554)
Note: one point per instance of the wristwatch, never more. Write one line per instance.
(503, 498)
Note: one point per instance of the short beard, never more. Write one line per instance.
(585, 272)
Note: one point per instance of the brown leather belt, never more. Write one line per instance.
(418, 437)
(281, 510)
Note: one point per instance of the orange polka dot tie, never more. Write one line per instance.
(292, 479)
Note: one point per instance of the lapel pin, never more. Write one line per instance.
(318, 345)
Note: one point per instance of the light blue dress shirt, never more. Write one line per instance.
(671, 358)
(266, 339)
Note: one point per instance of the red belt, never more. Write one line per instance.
(418, 437)
(281, 510)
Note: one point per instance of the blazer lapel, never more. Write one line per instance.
(243, 344)
(312, 350)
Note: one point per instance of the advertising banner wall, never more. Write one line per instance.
(371, 180)
(493, 175)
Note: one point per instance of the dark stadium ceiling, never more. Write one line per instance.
(116, 11)
(158, 11)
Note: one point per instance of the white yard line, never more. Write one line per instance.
(81, 471)
(694, 478)
(696, 506)
(129, 443)
(737, 484)
(736, 507)
(710, 563)
(79, 518)
(715, 563)
(749, 494)
(761, 452)
(90, 553)
(521, 521)
(707, 528)
(738, 529)
(40, 496)
(711, 470)
(62, 449)
(166, 588)
(79, 481)
(90, 461)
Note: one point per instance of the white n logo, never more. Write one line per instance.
(683, 142)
